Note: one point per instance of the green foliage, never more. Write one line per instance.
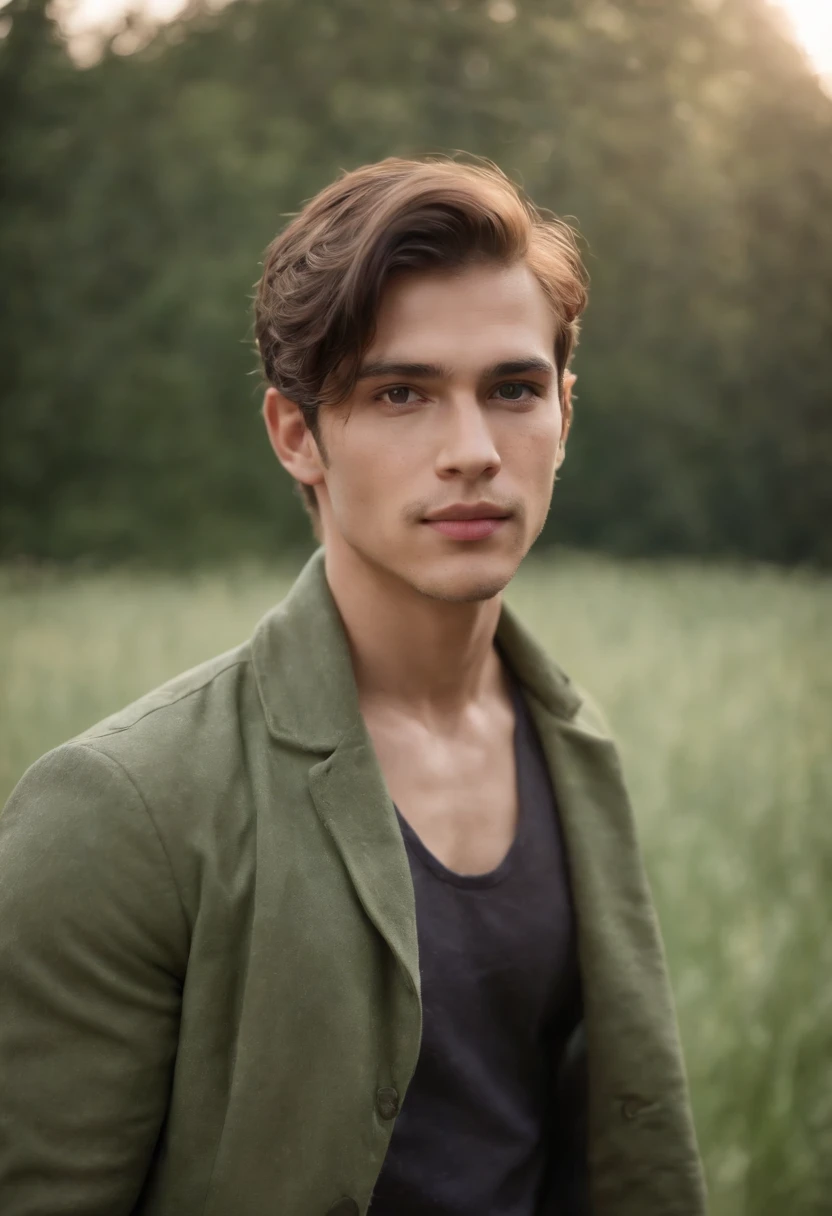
(689, 141)
(719, 685)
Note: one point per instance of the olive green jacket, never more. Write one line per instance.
(210, 982)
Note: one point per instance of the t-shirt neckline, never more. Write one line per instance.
(501, 871)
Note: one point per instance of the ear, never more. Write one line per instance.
(569, 379)
(293, 442)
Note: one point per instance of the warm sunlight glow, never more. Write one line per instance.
(87, 23)
(811, 22)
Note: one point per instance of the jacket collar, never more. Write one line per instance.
(304, 672)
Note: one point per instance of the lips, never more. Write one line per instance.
(467, 529)
(461, 522)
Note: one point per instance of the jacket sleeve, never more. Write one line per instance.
(93, 944)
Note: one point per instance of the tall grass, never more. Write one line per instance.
(718, 684)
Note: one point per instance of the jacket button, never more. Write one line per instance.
(344, 1207)
(387, 1103)
(632, 1107)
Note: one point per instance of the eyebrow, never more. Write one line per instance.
(520, 367)
(416, 371)
(435, 371)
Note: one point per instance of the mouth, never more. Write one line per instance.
(468, 523)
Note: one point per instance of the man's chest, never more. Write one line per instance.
(457, 792)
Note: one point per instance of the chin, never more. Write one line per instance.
(465, 595)
(471, 581)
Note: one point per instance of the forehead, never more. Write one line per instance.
(478, 315)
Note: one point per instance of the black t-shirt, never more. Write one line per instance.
(500, 995)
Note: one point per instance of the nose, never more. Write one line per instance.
(467, 448)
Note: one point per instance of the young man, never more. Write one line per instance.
(353, 917)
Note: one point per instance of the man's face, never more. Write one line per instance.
(440, 466)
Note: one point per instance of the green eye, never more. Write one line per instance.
(511, 392)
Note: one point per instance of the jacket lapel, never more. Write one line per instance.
(305, 678)
(643, 1158)
(351, 798)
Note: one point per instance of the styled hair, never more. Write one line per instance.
(324, 274)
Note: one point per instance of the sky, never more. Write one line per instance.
(810, 20)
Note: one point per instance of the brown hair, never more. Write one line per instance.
(323, 276)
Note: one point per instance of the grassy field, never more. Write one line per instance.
(718, 684)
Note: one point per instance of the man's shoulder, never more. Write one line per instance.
(177, 704)
(152, 772)
(179, 741)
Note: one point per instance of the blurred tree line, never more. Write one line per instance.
(689, 140)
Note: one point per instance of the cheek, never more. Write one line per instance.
(550, 425)
(366, 475)
(534, 446)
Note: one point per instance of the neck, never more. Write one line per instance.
(408, 649)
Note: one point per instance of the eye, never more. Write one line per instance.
(513, 391)
(399, 395)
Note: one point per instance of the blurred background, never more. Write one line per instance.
(144, 174)
(149, 155)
